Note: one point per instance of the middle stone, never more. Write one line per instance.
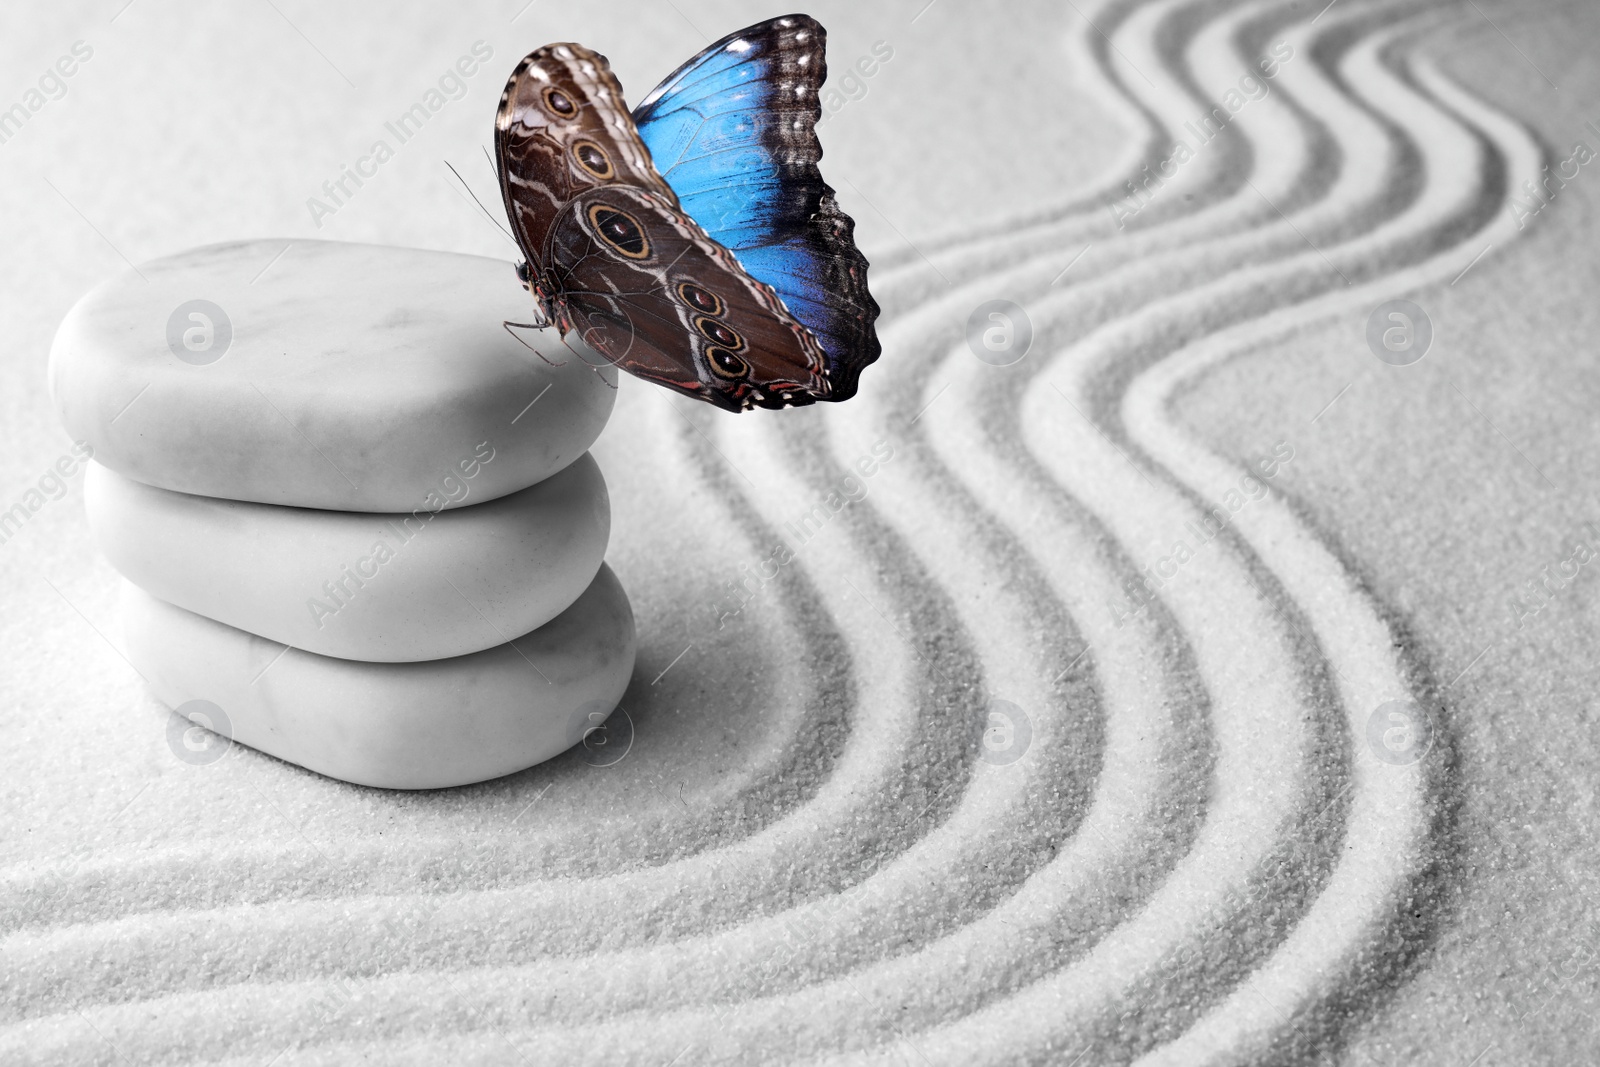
(420, 585)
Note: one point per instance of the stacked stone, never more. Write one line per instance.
(352, 512)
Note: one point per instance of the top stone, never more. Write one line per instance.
(323, 375)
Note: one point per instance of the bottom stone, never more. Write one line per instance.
(421, 725)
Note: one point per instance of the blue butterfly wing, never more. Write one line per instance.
(733, 133)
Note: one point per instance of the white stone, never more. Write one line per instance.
(395, 725)
(355, 378)
(357, 585)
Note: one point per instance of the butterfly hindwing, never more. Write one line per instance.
(646, 288)
(733, 132)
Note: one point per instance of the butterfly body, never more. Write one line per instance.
(730, 276)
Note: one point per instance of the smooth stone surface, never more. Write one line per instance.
(356, 377)
(350, 584)
(395, 725)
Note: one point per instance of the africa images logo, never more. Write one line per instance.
(199, 332)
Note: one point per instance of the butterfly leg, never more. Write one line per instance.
(506, 325)
(597, 368)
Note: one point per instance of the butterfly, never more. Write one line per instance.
(691, 242)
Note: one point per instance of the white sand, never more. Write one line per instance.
(802, 857)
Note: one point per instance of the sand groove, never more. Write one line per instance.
(1196, 851)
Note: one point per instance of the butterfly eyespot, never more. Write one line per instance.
(619, 230)
(559, 103)
(592, 158)
(712, 330)
(700, 299)
(725, 364)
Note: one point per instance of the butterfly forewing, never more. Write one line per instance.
(562, 128)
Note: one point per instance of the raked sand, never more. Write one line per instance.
(807, 853)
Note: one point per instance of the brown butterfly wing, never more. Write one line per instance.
(644, 286)
(563, 128)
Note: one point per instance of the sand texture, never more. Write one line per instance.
(938, 749)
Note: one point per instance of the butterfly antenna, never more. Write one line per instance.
(481, 208)
(532, 326)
